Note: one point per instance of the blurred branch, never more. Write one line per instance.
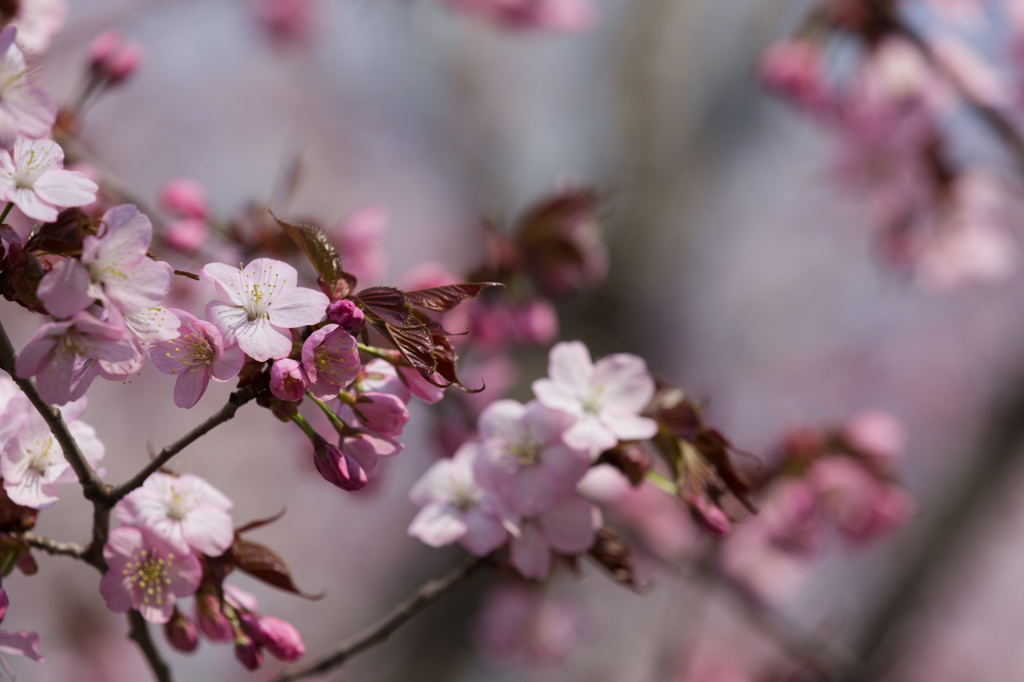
(139, 631)
(226, 413)
(71, 549)
(992, 461)
(386, 626)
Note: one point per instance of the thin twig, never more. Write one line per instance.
(237, 399)
(385, 627)
(92, 486)
(139, 631)
(53, 547)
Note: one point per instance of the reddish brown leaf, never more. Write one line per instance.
(389, 304)
(265, 564)
(443, 299)
(259, 523)
(615, 556)
(64, 236)
(317, 246)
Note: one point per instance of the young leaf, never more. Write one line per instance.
(390, 305)
(265, 564)
(317, 246)
(443, 299)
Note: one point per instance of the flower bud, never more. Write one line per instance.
(248, 652)
(287, 380)
(102, 46)
(180, 632)
(383, 413)
(536, 322)
(279, 637)
(188, 236)
(212, 622)
(337, 468)
(185, 198)
(346, 314)
(123, 62)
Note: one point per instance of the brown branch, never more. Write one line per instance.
(386, 626)
(237, 399)
(139, 631)
(92, 487)
(52, 547)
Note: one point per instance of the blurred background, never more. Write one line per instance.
(740, 270)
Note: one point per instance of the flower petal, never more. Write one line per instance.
(298, 307)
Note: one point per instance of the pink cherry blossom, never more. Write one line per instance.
(51, 355)
(606, 397)
(38, 21)
(211, 620)
(184, 198)
(277, 636)
(196, 355)
(34, 180)
(248, 652)
(143, 329)
(114, 268)
(455, 508)
(285, 20)
(287, 380)
(381, 413)
(188, 236)
(794, 69)
(358, 239)
(22, 642)
(553, 15)
(366, 449)
(516, 622)
(567, 528)
(146, 573)
(523, 458)
(181, 633)
(330, 359)
(32, 461)
(259, 304)
(184, 511)
(380, 376)
(25, 108)
(862, 506)
(879, 436)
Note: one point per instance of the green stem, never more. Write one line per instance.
(662, 483)
(341, 427)
(379, 353)
(304, 425)
(3, 216)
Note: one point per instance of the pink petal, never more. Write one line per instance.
(209, 530)
(54, 381)
(227, 366)
(227, 317)
(530, 555)
(22, 643)
(557, 396)
(589, 434)
(502, 419)
(484, 534)
(298, 307)
(625, 381)
(570, 527)
(262, 341)
(65, 188)
(569, 363)
(65, 288)
(438, 525)
(32, 491)
(190, 386)
(628, 425)
(38, 352)
(31, 205)
(228, 281)
(145, 286)
(116, 590)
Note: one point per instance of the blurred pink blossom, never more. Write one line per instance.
(516, 622)
(25, 108)
(184, 198)
(567, 528)
(358, 238)
(38, 21)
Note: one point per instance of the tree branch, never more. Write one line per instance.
(237, 399)
(92, 487)
(386, 626)
(52, 547)
(139, 631)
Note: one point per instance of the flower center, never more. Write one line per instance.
(464, 497)
(592, 403)
(330, 363)
(197, 349)
(527, 451)
(149, 574)
(45, 455)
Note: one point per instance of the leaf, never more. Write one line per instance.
(64, 236)
(615, 556)
(415, 345)
(390, 305)
(715, 447)
(446, 361)
(259, 523)
(317, 246)
(629, 458)
(265, 564)
(443, 299)
(336, 291)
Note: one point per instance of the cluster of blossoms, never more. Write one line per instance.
(892, 110)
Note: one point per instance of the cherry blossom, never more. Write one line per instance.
(22, 642)
(380, 376)
(358, 238)
(181, 633)
(523, 458)
(516, 622)
(259, 304)
(146, 573)
(196, 355)
(606, 397)
(114, 269)
(38, 21)
(32, 461)
(184, 511)
(25, 108)
(455, 508)
(567, 528)
(34, 180)
(381, 413)
(51, 355)
(185, 198)
(556, 15)
(338, 467)
(344, 313)
(330, 359)
(287, 380)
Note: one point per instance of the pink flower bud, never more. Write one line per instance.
(279, 637)
(187, 236)
(386, 414)
(248, 653)
(213, 624)
(3, 603)
(287, 380)
(346, 314)
(536, 322)
(337, 468)
(708, 515)
(180, 632)
(185, 198)
(123, 62)
(102, 46)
